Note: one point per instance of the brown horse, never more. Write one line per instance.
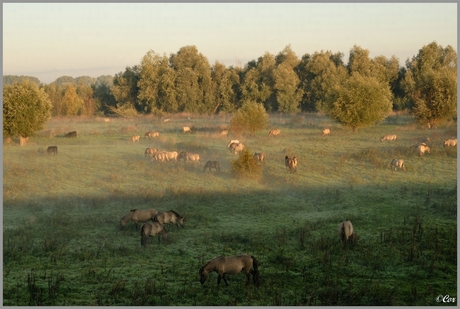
(291, 163)
(137, 215)
(210, 165)
(151, 229)
(169, 217)
(231, 265)
(52, 149)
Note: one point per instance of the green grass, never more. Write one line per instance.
(62, 244)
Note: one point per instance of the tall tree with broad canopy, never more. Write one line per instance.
(286, 84)
(26, 109)
(224, 84)
(431, 83)
(192, 81)
(360, 101)
(125, 91)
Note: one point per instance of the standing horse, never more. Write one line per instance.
(231, 265)
(210, 165)
(137, 215)
(291, 164)
(346, 232)
(151, 229)
(169, 217)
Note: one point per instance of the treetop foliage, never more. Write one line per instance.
(186, 82)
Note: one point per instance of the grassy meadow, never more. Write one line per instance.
(62, 244)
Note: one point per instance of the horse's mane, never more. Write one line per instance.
(209, 262)
(175, 213)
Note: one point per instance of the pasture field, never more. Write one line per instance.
(62, 243)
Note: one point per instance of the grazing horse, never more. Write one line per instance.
(71, 134)
(186, 129)
(193, 157)
(422, 148)
(159, 156)
(326, 132)
(182, 155)
(151, 229)
(171, 155)
(150, 134)
(135, 138)
(391, 137)
(450, 143)
(231, 265)
(150, 151)
(398, 164)
(52, 149)
(169, 217)
(137, 215)
(210, 165)
(291, 163)
(223, 133)
(236, 147)
(346, 232)
(259, 156)
(274, 132)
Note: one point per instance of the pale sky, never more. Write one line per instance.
(49, 40)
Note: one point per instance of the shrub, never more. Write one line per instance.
(251, 117)
(245, 166)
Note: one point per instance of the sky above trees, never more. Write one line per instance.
(49, 40)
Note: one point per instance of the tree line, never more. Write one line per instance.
(361, 92)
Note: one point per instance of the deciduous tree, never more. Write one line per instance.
(431, 83)
(26, 109)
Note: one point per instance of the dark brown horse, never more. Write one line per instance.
(71, 134)
(210, 165)
(151, 229)
(169, 217)
(137, 215)
(52, 149)
(231, 265)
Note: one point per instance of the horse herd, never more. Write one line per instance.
(421, 147)
(235, 147)
(222, 265)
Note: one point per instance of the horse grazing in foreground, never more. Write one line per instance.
(137, 215)
(169, 217)
(150, 229)
(346, 232)
(291, 163)
(210, 165)
(275, 132)
(395, 164)
(231, 265)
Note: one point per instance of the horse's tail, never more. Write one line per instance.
(255, 265)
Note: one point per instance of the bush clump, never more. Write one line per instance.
(246, 166)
